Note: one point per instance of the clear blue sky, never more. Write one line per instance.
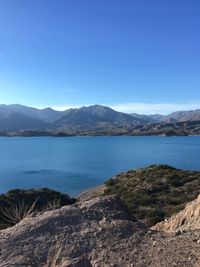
(134, 55)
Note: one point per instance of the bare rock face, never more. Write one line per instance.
(77, 235)
(186, 220)
(96, 233)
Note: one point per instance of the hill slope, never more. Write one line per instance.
(94, 120)
(83, 232)
(169, 129)
(19, 117)
(98, 232)
(187, 219)
(156, 192)
(97, 116)
(191, 115)
(18, 122)
(46, 114)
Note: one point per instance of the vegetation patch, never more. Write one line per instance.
(17, 204)
(156, 192)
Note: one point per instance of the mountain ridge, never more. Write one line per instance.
(96, 118)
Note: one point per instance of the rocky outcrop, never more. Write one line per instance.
(186, 220)
(100, 233)
(87, 232)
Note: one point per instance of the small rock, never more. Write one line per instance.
(154, 243)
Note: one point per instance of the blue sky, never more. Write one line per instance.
(134, 55)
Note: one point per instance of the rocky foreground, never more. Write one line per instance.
(97, 232)
(186, 220)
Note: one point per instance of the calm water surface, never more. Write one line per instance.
(74, 164)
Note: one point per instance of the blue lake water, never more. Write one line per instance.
(74, 164)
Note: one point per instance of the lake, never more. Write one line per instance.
(74, 164)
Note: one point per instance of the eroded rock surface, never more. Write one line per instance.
(99, 232)
(187, 219)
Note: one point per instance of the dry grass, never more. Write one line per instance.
(54, 256)
(53, 204)
(16, 212)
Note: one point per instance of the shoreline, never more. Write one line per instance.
(97, 135)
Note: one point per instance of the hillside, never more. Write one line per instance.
(46, 114)
(97, 116)
(19, 120)
(187, 219)
(156, 192)
(95, 233)
(178, 116)
(167, 129)
(102, 228)
(149, 118)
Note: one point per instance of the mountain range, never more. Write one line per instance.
(15, 118)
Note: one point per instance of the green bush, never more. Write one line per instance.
(155, 192)
(110, 182)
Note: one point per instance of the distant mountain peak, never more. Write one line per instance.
(93, 117)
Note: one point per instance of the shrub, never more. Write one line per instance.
(17, 204)
(15, 212)
(110, 182)
(155, 192)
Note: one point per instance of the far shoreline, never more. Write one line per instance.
(95, 135)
